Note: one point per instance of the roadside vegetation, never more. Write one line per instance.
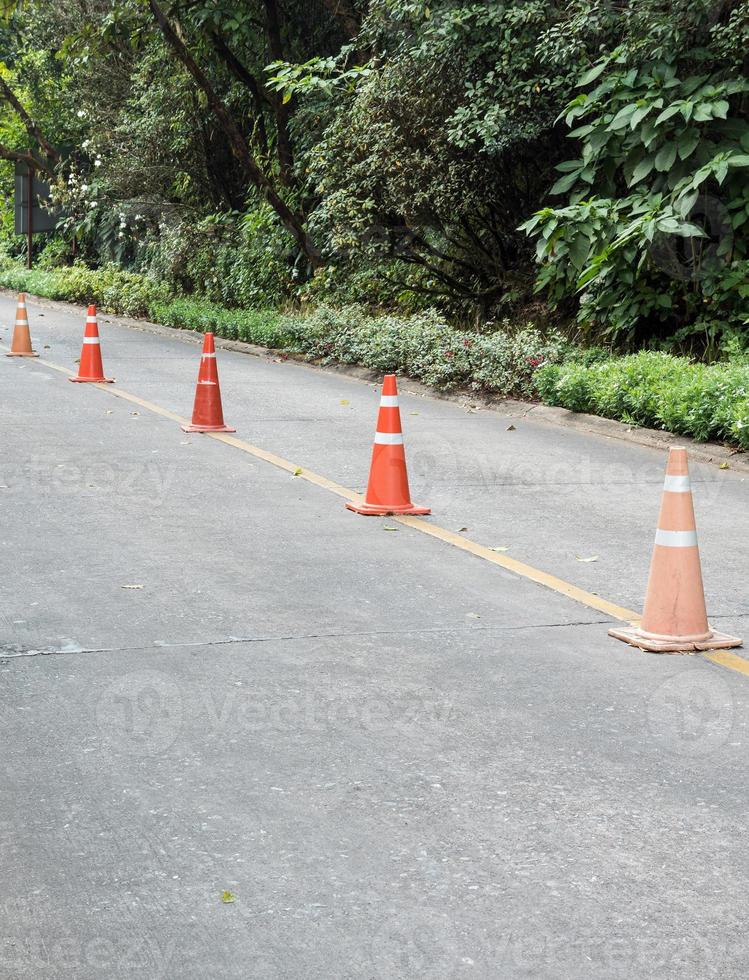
(533, 199)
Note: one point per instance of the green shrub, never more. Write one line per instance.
(658, 390)
(114, 291)
(650, 388)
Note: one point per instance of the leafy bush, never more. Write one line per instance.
(654, 240)
(651, 388)
(114, 291)
(657, 390)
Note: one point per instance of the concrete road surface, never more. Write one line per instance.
(247, 733)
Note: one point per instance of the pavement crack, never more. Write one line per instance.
(290, 638)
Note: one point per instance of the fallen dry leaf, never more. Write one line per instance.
(461, 529)
(297, 472)
(592, 558)
(387, 527)
(131, 586)
(510, 428)
(500, 548)
(228, 898)
(725, 466)
(345, 401)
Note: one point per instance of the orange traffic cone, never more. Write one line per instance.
(90, 367)
(21, 344)
(387, 491)
(207, 413)
(675, 620)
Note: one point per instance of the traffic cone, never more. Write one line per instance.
(207, 413)
(90, 367)
(675, 619)
(387, 491)
(21, 344)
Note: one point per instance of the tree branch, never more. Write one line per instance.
(243, 75)
(291, 221)
(280, 108)
(16, 156)
(344, 12)
(32, 128)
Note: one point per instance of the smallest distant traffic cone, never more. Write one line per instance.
(674, 619)
(90, 367)
(387, 491)
(207, 413)
(21, 344)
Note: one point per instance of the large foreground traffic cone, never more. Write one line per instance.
(207, 413)
(387, 491)
(90, 367)
(21, 344)
(674, 619)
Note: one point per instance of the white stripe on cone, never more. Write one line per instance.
(90, 319)
(676, 539)
(209, 355)
(388, 439)
(388, 401)
(90, 340)
(677, 484)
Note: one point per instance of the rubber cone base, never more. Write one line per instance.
(207, 428)
(375, 510)
(32, 353)
(93, 381)
(673, 644)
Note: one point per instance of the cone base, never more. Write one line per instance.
(207, 428)
(672, 644)
(376, 510)
(93, 381)
(22, 353)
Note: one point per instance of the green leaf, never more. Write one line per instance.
(642, 169)
(688, 143)
(622, 117)
(665, 157)
(593, 73)
(638, 115)
(579, 251)
(565, 183)
(667, 113)
(739, 160)
(703, 112)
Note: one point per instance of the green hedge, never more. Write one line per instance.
(113, 290)
(422, 345)
(656, 390)
(649, 388)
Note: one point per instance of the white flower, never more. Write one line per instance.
(97, 162)
(84, 187)
(81, 113)
(92, 204)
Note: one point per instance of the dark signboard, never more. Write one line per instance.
(42, 220)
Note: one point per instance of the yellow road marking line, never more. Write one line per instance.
(520, 568)
(723, 658)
